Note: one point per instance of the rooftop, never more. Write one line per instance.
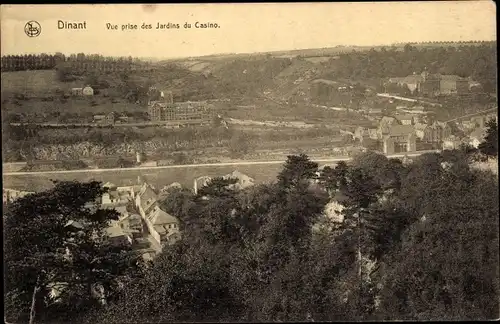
(160, 217)
(404, 117)
(114, 231)
(148, 196)
(401, 130)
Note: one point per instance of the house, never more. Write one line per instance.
(165, 225)
(115, 196)
(451, 143)
(441, 84)
(363, 133)
(99, 118)
(436, 132)
(477, 137)
(433, 84)
(385, 124)
(405, 119)
(117, 236)
(77, 91)
(145, 200)
(244, 181)
(411, 82)
(88, 91)
(131, 224)
(105, 119)
(401, 138)
(171, 187)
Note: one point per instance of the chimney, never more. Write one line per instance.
(195, 187)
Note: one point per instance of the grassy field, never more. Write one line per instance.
(34, 82)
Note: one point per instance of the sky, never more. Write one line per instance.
(243, 28)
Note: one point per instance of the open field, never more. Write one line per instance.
(262, 172)
(158, 178)
(39, 81)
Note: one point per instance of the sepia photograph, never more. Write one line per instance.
(250, 162)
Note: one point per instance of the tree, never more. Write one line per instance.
(452, 253)
(43, 251)
(64, 73)
(297, 168)
(490, 145)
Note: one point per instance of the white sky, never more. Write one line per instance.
(244, 27)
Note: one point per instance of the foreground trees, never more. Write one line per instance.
(417, 242)
(55, 243)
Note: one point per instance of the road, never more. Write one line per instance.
(320, 160)
(474, 114)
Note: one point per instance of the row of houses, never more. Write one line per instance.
(404, 132)
(434, 84)
(401, 133)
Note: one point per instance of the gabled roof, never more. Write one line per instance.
(419, 126)
(147, 196)
(114, 231)
(238, 175)
(160, 217)
(413, 79)
(400, 130)
(109, 185)
(478, 133)
(404, 117)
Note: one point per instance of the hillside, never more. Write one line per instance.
(34, 82)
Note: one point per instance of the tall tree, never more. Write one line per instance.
(45, 251)
(490, 145)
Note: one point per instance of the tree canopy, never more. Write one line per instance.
(418, 241)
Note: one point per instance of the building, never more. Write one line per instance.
(433, 84)
(165, 225)
(145, 200)
(88, 91)
(451, 143)
(442, 84)
(181, 112)
(477, 137)
(243, 181)
(9, 195)
(385, 124)
(117, 236)
(108, 119)
(401, 138)
(411, 82)
(405, 119)
(77, 91)
(117, 195)
(363, 133)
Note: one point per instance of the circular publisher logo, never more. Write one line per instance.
(32, 28)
